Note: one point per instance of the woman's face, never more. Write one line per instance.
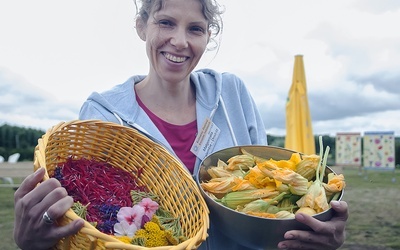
(176, 37)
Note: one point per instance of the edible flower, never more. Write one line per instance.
(150, 207)
(243, 162)
(297, 183)
(315, 197)
(151, 236)
(219, 185)
(308, 166)
(132, 215)
(123, 228)
(335, 184)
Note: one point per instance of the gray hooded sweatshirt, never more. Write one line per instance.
(221, 97)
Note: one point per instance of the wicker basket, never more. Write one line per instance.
(129, 150)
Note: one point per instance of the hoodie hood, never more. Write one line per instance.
(223, 98)
(207, 95)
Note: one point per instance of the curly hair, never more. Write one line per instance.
(212, 11)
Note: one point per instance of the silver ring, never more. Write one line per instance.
(46, 218)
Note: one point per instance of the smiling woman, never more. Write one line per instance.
(190, 112)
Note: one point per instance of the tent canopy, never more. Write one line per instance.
(299, 133)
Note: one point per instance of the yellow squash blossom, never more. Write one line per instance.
(261, 205)
(288, 164)
(242, 184)
(308, 166)
(258, 179)
(220, 185)
(240, 198)
(297, 183)
(218, 172)
(257, 159)
(267, 165)
(240, 162)
(335, 184)
(315, 197)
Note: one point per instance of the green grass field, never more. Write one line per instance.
(7, 219)
(374, 205)
(373, 198)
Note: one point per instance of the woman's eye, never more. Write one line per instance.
(197, 29)
(164, 23)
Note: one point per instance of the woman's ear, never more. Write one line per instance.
(141, 29)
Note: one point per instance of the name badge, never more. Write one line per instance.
(205, 139)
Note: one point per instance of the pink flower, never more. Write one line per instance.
(131, 215)
(150, 207)
(124, 228)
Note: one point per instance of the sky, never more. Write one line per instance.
(54, 54)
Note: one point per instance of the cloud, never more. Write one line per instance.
(23, 104)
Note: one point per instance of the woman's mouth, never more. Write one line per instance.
(172, 58)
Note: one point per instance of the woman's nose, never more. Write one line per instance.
(179, 39)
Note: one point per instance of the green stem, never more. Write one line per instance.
(324, 163)
(335, 197)
(320, 158)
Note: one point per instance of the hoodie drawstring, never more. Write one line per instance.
(118, 118)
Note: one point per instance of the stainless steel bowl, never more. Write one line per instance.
(247, 230)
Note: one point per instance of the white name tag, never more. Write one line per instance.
(205, 139)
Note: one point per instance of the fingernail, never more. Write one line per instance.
(282, 246)
(289, 236)
(335, 203)
(38, 171)
(299, 216)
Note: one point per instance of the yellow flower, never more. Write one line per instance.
(308, 166)
(220, 185)
(335, 183)
(258, 179)
(218, 172)
(240, 198)
(243, 162)
(242, 184)
(151, 235)
(267, 166)
(261, 205)
(297, 183)
(315, 198)
(257, 159)
(288, 164)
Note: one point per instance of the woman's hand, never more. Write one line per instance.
(31, 202)
(325, 235)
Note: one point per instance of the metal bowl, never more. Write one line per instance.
(251, 231)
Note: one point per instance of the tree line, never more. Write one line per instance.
(14, 139)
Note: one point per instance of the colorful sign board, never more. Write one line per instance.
(379, 150)
(348, 149)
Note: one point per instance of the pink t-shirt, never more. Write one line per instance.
(180, 137)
